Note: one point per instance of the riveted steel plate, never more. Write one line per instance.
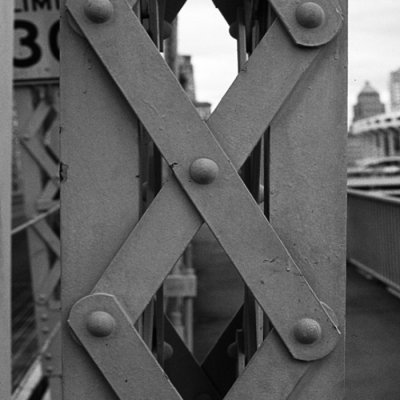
(332, 22)
(117, 355)
(258, 253)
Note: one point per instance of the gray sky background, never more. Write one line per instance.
(374, 47)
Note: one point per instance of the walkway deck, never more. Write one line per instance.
(373, 340)
(373, 322)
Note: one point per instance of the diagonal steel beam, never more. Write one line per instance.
(271, 373)
(108, 334)
(228, 122)
(268, 269)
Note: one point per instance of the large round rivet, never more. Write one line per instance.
(204, 170)
(168, 351)
(234, 30)
(98, 11)
(310, 15)
(100, 324)
(167, 30)
(232, 350)
(307, 331)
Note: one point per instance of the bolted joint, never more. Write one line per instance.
(310, 15)
(98, 11)
(204, 171)
(310, 23)
(100, 324)
(307, 331)
(41, 299)
(49, 369)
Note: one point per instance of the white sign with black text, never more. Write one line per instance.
(36, 49)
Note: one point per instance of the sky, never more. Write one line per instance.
(374, 47)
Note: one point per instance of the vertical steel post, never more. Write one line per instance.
(6, 23)
(107, 286)
(100, 191)
(308, 194)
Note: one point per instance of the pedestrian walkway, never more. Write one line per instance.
(373, 340)
(373, 321)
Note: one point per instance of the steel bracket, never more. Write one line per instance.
(309, 23)
(107, 333)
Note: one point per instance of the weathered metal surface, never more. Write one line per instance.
(310, 23)
(308, 194)
(100, 187)
(136, 271)
(271, 372)
(231, 135)
(254, 97)
(153, 266)
(265, 264)
(118, 350)
(307, 34)
(6, 19)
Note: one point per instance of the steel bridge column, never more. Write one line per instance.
(112, 81)
(313, 196)
(6, 20)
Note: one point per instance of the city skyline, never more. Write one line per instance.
(373, 47)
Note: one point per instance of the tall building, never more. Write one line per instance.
(368, 104)
(182, 67)
(394, 87)
(186, 79)
(186, 75)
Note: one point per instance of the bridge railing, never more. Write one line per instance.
(373, 232)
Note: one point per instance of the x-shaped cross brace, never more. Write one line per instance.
(204, 159)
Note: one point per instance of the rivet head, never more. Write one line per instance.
(44, 317)
(232, 350)
(310, 15)
(307, 331)
(100, 324)
(49, 369)
(234, 30)
(98, 11)
(167, 30)
(168, 351)
(204, 171)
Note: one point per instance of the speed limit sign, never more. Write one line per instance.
(36, 28)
